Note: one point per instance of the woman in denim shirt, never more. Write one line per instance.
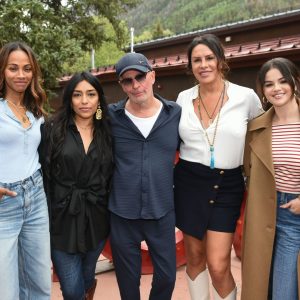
(25, 271)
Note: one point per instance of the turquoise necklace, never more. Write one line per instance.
(211, 143)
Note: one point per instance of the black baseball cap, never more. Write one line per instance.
(133, 61)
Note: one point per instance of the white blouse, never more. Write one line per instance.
(242, 105)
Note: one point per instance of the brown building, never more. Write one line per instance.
(248, 44)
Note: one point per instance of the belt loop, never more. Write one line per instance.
(33, 177)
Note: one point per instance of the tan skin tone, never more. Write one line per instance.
(18, 76)
(279, 93)
(141, 101)
(214, 250)
(85, 101)
(205, 68)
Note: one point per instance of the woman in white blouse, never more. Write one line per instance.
(209, 185)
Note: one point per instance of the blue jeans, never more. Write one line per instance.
(286, 250)
(76, 272)
(25, 266)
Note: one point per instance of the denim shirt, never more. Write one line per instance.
(142, 185)
(19, 157)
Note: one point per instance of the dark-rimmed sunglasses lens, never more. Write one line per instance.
(139, 78)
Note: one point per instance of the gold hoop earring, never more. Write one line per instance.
(98, 112)
(264, 100)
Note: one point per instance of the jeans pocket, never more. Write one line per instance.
(2, 197)
(294, 214)
(8, 206)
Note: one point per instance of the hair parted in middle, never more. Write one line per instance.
(34, 96)
(56, 126)
(215, 45)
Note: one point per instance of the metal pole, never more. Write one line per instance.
(131, 39)
(93, 58)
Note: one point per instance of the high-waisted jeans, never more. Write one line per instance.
(286, 250)
(25, 265)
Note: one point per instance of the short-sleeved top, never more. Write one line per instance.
(19, 157)
(142, 185)
(242, 105)
(77, 192)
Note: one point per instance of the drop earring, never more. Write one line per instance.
(98, 112)
(296, 92)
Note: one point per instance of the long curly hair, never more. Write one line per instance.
(34, 96)
(56, 126)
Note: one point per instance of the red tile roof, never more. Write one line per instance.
(272, 45)
(249, 51)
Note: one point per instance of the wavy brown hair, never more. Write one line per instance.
(215, 45)
(34, 96)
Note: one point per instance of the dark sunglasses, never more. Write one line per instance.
(139, 78)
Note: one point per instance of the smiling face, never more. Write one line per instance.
(18, 73)
(205, 65)
(85, 100)
(276, 89)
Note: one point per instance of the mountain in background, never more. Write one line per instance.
(181, 16)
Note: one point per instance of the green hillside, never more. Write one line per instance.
(187, 15)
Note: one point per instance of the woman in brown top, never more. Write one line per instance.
(271, 242)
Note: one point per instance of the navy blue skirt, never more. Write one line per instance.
(207, 199)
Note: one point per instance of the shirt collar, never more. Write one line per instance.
(8, 111)
(71, 124)
(195, 91)
(262, 121)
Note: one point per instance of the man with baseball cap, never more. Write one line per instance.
(145, 133)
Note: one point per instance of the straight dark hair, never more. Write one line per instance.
(289, 71)
(215, 45)
(56, 127)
